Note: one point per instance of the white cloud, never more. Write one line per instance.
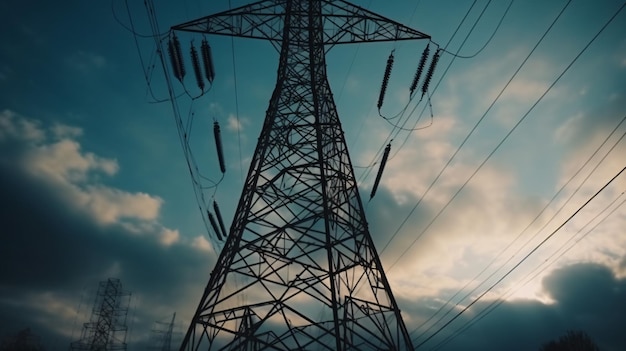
(75, 174)
(13, 126)
(234, 123)
(62, 131)
(110, 205)
(201, 243)
(65, 162)
(169, 237)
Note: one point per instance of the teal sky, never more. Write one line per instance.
(94, 182)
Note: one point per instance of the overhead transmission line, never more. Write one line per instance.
(395, 130)
(510, 132)
(557, 79)
(535, 219)
(535, 273)
(463, 143)
(198, 180)
(523, 259)
(567, 201)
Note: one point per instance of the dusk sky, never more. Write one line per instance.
(499, 219)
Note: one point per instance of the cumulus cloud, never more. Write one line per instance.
(586, 296)
(65, 230)
(13, 126)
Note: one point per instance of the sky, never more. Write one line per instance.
(502, 197)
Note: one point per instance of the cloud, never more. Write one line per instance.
(236, 124)
(13, 127)
(62, 131)
(64, 230)
(586, 296)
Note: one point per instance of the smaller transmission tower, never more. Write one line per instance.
(162, 335)
(107, 328)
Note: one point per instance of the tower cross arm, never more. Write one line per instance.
(259, 20)
(343, 23)
(347, 23)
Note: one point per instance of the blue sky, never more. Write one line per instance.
(94, 182)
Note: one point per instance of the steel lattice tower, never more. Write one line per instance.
(107, 328)
(299, 270)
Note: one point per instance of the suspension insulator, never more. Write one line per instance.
(176, 57)
(207, 59)
(218, 145)
(214, 225)
(218, 213)
(420, 69)
(383, 87)
(196, 67)
(431, 70)
(380, 170)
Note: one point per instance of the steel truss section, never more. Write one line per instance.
(107, 328)
(299, 270)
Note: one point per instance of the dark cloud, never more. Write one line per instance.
(587, 297)
(51, 251)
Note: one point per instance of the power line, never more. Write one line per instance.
(502, 252)
(495, 303)
(463, 143)
(395, 130)
(523, 259)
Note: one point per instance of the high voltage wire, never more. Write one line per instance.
(523, 231)
(549, 236)
(395, 130)
(501, 252)
(523, 259)
(535, 273)
(183, 130)
(495, 303)
(232, 41)
(463, 143)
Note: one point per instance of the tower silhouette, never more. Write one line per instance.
(299, 270)
(107, 328)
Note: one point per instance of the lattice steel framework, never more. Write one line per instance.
(299, 270)
(162, 335)
(107, 328)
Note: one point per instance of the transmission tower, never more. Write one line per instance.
(162, 335)
(107, 328)
(299, 270)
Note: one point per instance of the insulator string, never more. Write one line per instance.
(431, 70)
(173, 48)
(218, 145)
(196, 67)
(380, 170)
(214, 224)
(383, 87)
(220, 220)
(177, 57)
(207, 59)
(420, 69)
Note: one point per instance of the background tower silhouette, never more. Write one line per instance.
(107, 328)
(299, 269)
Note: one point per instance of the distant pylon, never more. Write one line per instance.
(162, 335)
(299, 270)
(106, 330)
